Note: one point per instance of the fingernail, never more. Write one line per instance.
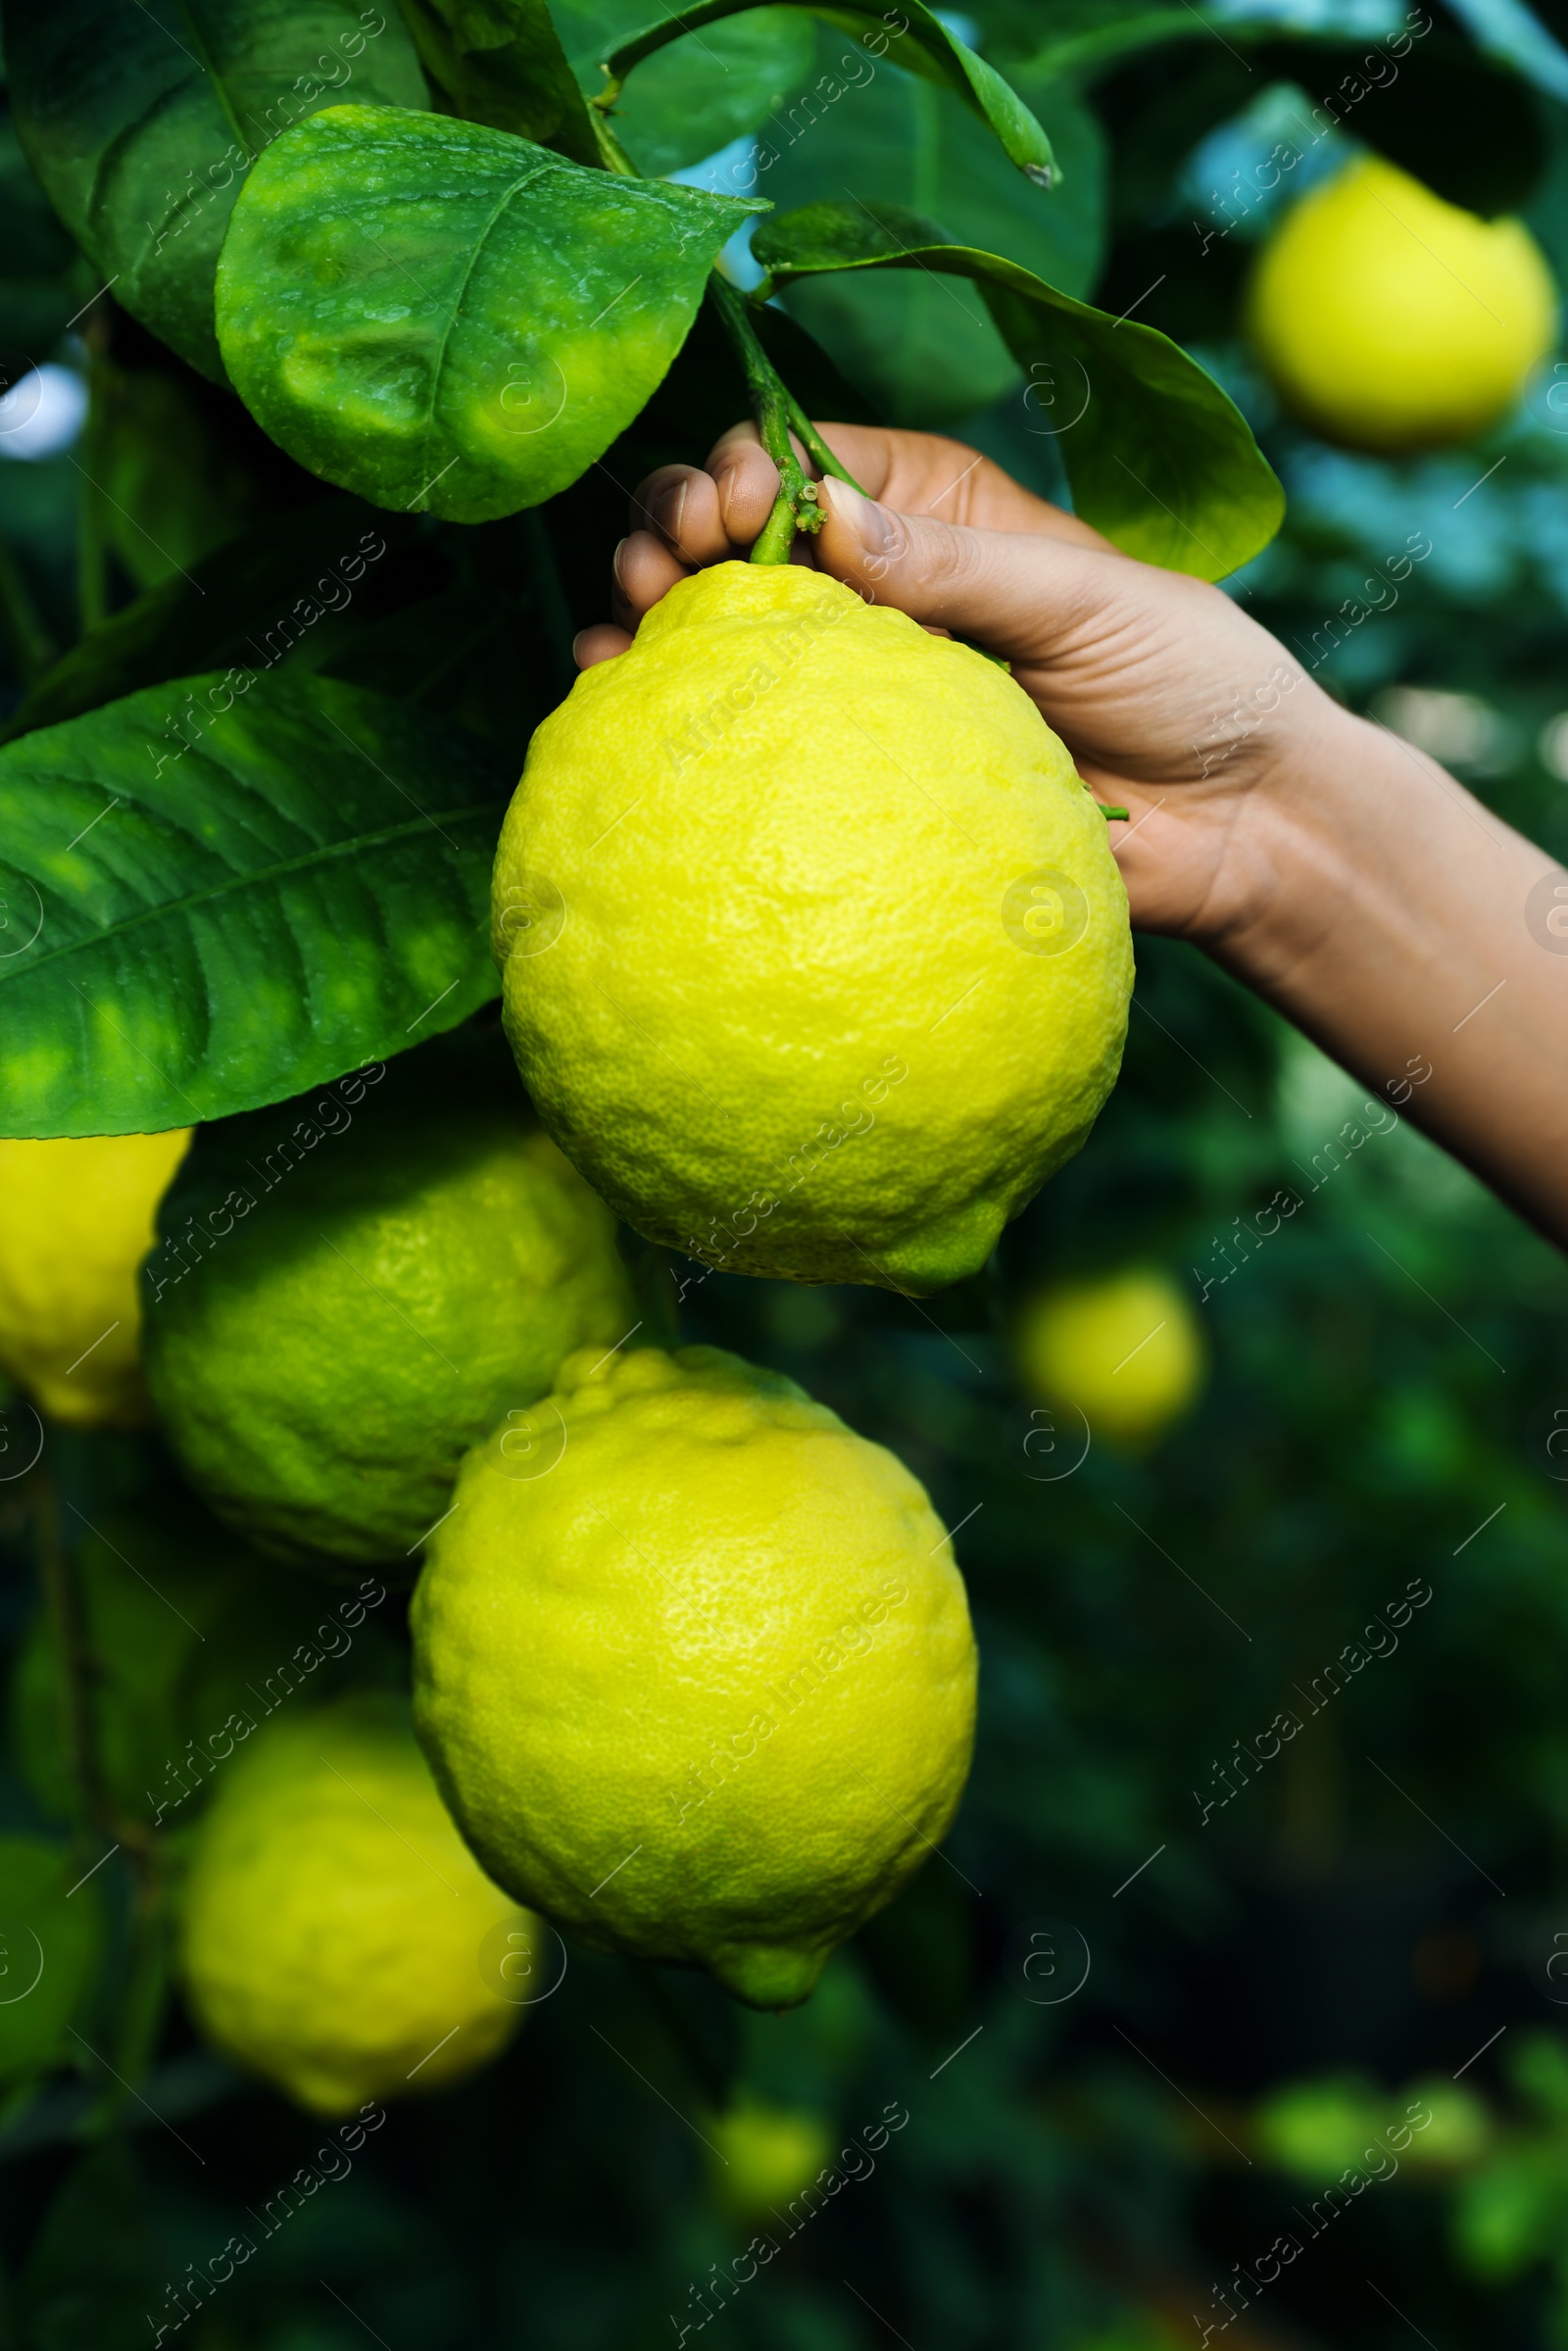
(614, 566)
(871, 523)
(670, 507)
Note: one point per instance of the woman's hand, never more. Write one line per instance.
(1329, 866)
(1174, 705)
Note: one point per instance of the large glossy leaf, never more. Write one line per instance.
(910, 35)
(690, 101)
(1159, 458)
(923, 345)
(449, 319)
(194, 932)
(501, 62)
(143, 118)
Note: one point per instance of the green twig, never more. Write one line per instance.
(777, 413)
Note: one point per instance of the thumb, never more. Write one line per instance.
(1010, 590)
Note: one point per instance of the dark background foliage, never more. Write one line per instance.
(1268, 1982)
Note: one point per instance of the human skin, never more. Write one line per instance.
(1331, 866)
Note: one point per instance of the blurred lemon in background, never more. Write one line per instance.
(765, 2154)
(1125, 1350)
(333, 1918)
(1390, 321)
(695, 1668)
(75, 1221)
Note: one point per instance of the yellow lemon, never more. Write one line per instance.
(335, 1928)
(75, 1220)
(815, 959)
(1390, 321)
(765, 2154)
(699, 1682)
(349, 1294)
(1126, 1352)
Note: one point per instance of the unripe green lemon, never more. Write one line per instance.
(765, 2154)
(699, 1681)
(350, 1293)
(816, 957)
(75, 1221)
(334, 1925)
(1126, 1352)
(1391, 320)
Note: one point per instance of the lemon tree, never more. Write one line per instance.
(770, 1727)
(424, 248)
(334, 1923)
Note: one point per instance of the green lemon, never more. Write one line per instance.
(335, 1931)
(1125, 1352)
(699, 1683)
(816, 957)
(354, 1286)
(763, 2154)
(1391, 320)
(75, 1220)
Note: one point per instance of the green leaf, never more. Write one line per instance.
(259, 602)
(501, 62)
(442, 317)
(911, 36)
(205, 930)
(926, 346)
(143, 120)
(692, 100)
(1159, 458)
(50, 1943)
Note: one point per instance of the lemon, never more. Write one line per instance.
(75, 1219)
(1125, 1352)
(815, 959)
(1390, 321)
(765, 2154)
(333, 1321)
(696, 1675)
(334, 1926)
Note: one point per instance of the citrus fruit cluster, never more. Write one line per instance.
(816, 963)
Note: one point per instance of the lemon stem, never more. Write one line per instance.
(776, 414)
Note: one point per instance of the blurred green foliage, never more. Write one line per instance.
(1373, 1915)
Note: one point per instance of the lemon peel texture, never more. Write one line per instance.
(703, 1689)
(1391, 320)
(334, 1925)
(365, 1289)
(815, 959)
(75, 1221)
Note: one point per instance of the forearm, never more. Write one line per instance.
(1391, 926)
